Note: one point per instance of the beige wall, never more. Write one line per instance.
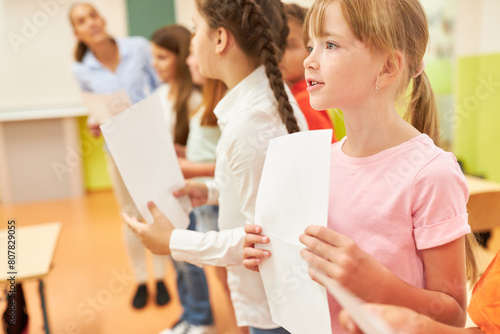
(477, 27)
(37, 45)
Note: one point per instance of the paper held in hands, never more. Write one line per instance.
(297, 165)
(142, 148)
(102, 107)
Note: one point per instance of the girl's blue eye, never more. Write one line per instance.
(330, 45)
(309, 49)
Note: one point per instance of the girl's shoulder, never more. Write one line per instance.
(440, 175)
(435, 161)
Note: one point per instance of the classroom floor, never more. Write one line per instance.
(89, 256)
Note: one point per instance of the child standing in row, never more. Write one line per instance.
(397, 208)
(181, 99)
(240, 43)
(106, 65)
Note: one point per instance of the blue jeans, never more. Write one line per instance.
(279, 330)
(206, 217)
(191, 280)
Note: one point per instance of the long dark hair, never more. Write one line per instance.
(260, 29)
(176, 38)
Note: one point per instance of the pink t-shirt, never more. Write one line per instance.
(396, 203)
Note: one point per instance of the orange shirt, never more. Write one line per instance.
(316, 119)
(484, 307)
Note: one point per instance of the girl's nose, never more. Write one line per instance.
(310, 62)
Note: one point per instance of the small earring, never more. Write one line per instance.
(376, 89)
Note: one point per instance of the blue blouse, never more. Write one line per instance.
(135, 73)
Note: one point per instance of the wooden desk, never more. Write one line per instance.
(484, 204)
(35, 246)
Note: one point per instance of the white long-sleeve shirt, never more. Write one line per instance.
(248, 119)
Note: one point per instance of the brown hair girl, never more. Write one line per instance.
(258, 37)
(176, 39)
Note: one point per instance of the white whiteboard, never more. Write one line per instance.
(36, 64)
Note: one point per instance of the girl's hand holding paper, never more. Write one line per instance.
(197, 192)
(156, 236)
(342, 260)
(252, 256)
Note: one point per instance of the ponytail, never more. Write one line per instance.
(260, 29)
(422, 111)
(470, 257)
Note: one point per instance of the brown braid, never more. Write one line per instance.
(260, 29)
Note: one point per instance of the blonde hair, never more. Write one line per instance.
(395, 26)
(391, 26)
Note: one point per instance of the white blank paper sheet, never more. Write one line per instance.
(293, 194)
(142, 147)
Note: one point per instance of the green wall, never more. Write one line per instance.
(146, 16)
(477, 135)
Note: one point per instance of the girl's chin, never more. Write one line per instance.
(319, 106)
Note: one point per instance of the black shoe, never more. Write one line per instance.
(162, 295)
(141, 296)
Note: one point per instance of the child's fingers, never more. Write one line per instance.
(320, 264)
(155, 212)
(183, 191)
(250, 228)
(318, 246)
(133, 223)
(251, 239)
(327, 235)
(252, 264)
(249, 252)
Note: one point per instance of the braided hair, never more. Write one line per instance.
(260, 29)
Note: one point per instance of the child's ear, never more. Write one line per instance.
(223, 40)
(393, 66)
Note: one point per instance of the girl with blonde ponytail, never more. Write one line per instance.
(239, 42)
(397, 220)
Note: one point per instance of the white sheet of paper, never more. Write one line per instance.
(368, 322)
(293, 194)
(297, 303)
(103, 107)
(294, 187)
(142, 147)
